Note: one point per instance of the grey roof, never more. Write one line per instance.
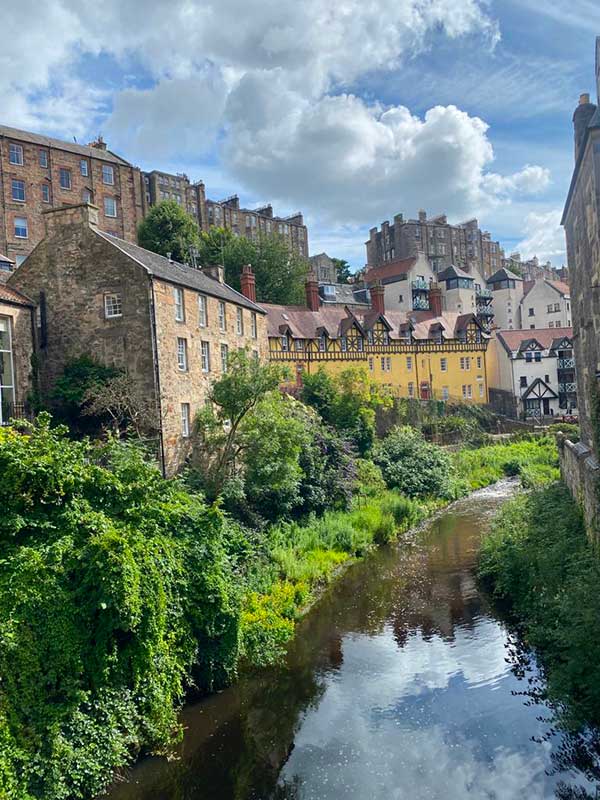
(345, 293)
(70, 147)
(504, 275)
(454, 272)
(182, 275)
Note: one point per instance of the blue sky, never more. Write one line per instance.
(351, 113)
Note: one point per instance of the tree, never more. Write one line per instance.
(70, 389)
(413, 466)
(121, 400)
(280, 272)
(167, 228)
(343, 269)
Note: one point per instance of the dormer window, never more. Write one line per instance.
(322, 343)
(344, 344)
(370, 338)
(285, 343)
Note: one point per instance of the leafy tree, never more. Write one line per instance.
(280, 272)
(343, 270)
(413, 466)
(167, 228)
(120, 400)
(347, 402)
(80, 376)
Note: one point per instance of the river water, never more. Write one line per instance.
(398, 686)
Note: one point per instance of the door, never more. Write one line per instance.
(546, 406)
(424, 391)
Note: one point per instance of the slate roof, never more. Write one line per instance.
(10, 295)
(345, 294)
(180, 274)
(302, 323)
(454, 272)
(546, 337)
(6, 259)
(503, 275)
(70, 147)
(388, 273)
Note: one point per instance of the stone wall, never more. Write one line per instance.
(580, 470)
(21, 328)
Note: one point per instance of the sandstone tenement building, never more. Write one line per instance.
(169, 326)
(38, 173)
(464, 245)
(581, 220)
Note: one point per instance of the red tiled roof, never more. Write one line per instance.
(10, 295)
(545, 336)
(561, 287)
(391, 270)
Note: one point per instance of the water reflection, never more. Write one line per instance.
(397, 686)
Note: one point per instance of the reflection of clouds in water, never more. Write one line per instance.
(425, 722)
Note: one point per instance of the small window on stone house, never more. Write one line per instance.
(179, 304)
(239, 318)
(108, 175)
(182, 359)
(185, 420)
(15, 154)
(112, 305)
(64, 178)
(222, 317)
(253, 325)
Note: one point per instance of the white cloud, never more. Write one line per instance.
(544, 237)
(528, 181)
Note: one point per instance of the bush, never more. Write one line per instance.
(486, 465)
(413, 466)
(569, 430)
(115, 589)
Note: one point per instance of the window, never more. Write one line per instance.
(557, 306)
(112, 305)
(537, 357)
(253, 325)
(205, 356)
(523, 381)
(400, 298)
(444, 364)
(202, 311)
(411, 389)
(531, 312)
(322, 343)
(18, 191)
(532, 327)
(344, 344)
(224, 357)
(108, 175)
(179, 307)
(185, 420)
(110, 207)
(481, 390)
(547, 378)
(222, 316)
(7, 389)
(550, 308)
(285, 343)
(299, 345)
(528, 357)
(239, 320)
(64, 178)
(21, 228)
(445, 393)
(45, 193)
(465, 362)
(15, 154)
(83, 166)
(86, 196)
(182, 360)
(479, 362)
(388, 364)
(360, 344)
(43, 155)
(551, 324)
(409, 363)
(470, 391)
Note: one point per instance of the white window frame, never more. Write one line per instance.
(179, 300)
(108, 170)
(409, 363)
(20, 190)
(185, 420)
(240, 321)
(15, 150)
(202, 311)
(66, 173)
(84, 167)
(411, 389)
(443, 364)
(46, 196)
(224, 351)
(43, 159)
(253, 325)
(445, 393)
(7, 388)
(182, 356)
(113, 305)
(24, 227)
(114, 207)
(205, 356)
(222, 316)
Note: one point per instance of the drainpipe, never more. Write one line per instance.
(157, 378)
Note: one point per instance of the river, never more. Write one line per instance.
(398, 686)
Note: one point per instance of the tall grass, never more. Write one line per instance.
(535, 460)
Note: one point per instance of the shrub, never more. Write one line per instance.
(569, 430)
(413, 466)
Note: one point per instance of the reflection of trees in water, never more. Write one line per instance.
(576, 748)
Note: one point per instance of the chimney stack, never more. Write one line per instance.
(435, 299)
(98, 143)
(216, 271)
(79, 214)
(312, 292)
(377, 292)
(248, 283)
(581, 119)
(422, 215)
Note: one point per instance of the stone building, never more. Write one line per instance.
(169, 326)
(425, 354)
(165, 186)
(532, 374)
(39, 173)
(581, 220)
(464, 245)
(16, 350)
(324, 268)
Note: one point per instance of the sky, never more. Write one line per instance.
(350, 112)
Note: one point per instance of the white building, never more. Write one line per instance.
(546, 304)
(406, 282)
(507, 293)
(533, 373)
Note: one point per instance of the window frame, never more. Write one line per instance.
(118, 303)
(106, 170)
(22, 227)
(13, 147)
(179, 303)
(205, 356)
(84, 167)
(12, 190)
(239, 320)
(182, 354)
(253, 325)
(224, 354)
(222, 317)
(65, 172)
(185, 420)
(202, 311)
(114, 201)
(43, 158)
(46, 194)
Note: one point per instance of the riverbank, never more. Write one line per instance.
(538, 559)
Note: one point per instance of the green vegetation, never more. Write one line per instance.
(413, 466)
(168, 228)
(569, 430)
(534, 459)
(280, 272)
(538, 558)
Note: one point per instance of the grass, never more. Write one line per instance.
(535, 459)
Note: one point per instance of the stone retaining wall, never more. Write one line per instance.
(581, 472)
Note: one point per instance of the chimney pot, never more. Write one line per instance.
(312, 292)
(248, 283)
(377, 292)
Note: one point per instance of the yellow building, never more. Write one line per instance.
(417, 354)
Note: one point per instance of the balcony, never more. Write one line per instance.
(565, 363)
(485, 311)
(420, 304)
(420, 285)
(485, 294)
(567, 388)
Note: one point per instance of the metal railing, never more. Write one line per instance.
(11, 411)
(420, 304)
(566, 363)
(420, 285)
